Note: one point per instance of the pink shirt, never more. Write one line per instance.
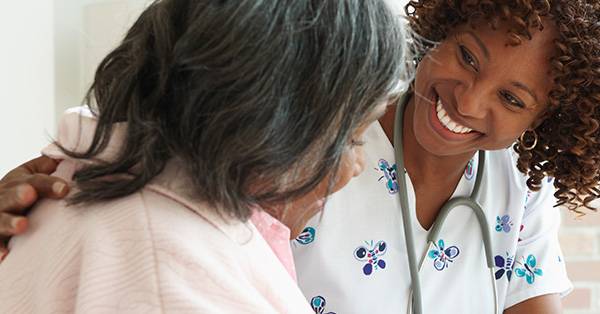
(156, 251)
(277, 236)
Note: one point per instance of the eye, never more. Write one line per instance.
(468, 58)
(511, 99)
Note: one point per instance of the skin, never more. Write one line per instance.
(477, 89)
(495, 89)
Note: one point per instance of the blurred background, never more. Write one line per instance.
(49, 54)
(50, 51)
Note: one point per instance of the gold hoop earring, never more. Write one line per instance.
(523, 140)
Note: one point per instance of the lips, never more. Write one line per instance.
(447, 122)
(445, 126)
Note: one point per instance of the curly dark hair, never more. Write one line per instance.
(568, 147)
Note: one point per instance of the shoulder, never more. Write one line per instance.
(503, 163)
(197, 229)
(501, 166)
(203, 258)
(140, 247)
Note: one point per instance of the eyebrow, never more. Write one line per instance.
(524, 87)
(480, 43)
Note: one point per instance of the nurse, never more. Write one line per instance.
(519, 79)
(502, 71)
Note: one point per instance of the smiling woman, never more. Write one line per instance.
(517, 81)
(473, 89)
(563, 108)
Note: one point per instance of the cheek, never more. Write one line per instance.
(506, 132)
(359, 162)
(352, 165)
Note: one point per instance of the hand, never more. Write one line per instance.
(20, 189)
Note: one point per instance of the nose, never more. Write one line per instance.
(473, 100)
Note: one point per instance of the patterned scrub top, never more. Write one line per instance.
(352, 258)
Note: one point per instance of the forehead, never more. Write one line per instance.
(501, 35)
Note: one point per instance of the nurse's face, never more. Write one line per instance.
(476, 92)
(352, 164)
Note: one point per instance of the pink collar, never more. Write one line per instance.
(277, 235)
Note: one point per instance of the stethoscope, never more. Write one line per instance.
(415, 291)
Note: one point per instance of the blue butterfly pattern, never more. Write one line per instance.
(307, 236)
(318, 305)
(505, 266)
(529, 269)
(390, 173)
(442, 256)
(503, 223)
(470, 170)
(372, 255)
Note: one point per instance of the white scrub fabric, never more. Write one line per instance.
(352, 257)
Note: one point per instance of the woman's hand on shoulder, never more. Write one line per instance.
(20, 189)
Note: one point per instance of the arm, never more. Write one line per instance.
(545, 304)
(20, 189)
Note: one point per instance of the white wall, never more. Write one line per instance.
(85, 31)
(26, 80)
(49, 52)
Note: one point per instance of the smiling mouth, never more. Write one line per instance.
(447, 122)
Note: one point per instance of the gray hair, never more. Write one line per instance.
(259, 98)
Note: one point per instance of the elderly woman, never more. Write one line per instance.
(216, 127)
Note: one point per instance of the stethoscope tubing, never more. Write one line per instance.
(415, 296)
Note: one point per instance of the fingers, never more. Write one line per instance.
(17, 199)
(42, 164)
(12, 225)
(47, 186)
(20, 189)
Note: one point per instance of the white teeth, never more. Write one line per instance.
(445, 120)
(452, 126)
(449, 123)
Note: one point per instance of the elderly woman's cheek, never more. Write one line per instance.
(352, 165)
